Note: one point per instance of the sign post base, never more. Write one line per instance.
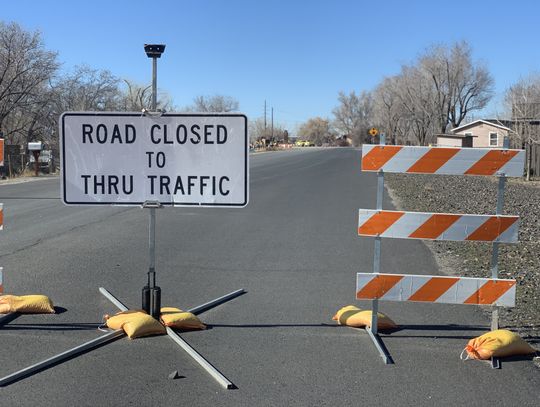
(111, 336)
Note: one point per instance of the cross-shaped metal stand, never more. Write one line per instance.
(85, 347)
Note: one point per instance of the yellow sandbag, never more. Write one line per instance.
(499, 343)
(135, 323)
(176, 318)
(26, 304)
(355, 317)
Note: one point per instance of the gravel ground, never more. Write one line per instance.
(478, 195)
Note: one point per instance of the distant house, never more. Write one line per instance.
(344, 141)
(480, 133)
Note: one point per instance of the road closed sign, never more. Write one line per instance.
(174, 159)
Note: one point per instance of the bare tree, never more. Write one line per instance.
(523, 104)
(459, 85)
(316, 130)
(472, 85)
(435, 92)
(388, 113)
(353, 116)
(25, 69)
(216, 103)
(138, 97)
(416, 100)
(36, 122)
(258, 131)
(87, 89)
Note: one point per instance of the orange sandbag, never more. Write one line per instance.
(355, 317)
(135, 323)
(26, 304)
(176, 318)
(499, 343)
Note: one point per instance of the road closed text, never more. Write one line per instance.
(158, 134)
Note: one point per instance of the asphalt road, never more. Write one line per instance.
(295, 250)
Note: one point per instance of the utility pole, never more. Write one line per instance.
(265, 118)
(272, 123)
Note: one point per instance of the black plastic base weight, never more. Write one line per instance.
(151, 301)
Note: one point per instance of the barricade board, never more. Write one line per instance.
(174, 159)
(436, 289)
(438, 226)
(443, 160)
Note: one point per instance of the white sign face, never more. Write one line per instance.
(175, 159)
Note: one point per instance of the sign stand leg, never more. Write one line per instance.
(4, 319)
(222, 380)
(61, 357)
(373, 329)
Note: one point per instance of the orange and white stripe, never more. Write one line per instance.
(438, 226)
(443, 160)
(436, 289)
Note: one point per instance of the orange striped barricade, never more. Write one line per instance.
(436, 289)
(443, 160)
(381, 223)
(438, 226)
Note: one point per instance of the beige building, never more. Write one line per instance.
(480, 133)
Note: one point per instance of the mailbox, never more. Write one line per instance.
(35, 146)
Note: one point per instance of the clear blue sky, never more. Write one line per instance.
(295, 54)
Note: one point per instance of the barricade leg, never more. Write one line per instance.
(375, 338)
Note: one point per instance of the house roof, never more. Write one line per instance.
(476, 122)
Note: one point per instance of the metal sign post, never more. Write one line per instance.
(151, 294)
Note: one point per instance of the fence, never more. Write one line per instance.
(533, 154)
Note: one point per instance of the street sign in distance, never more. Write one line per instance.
(373, 131)
(174, 159)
